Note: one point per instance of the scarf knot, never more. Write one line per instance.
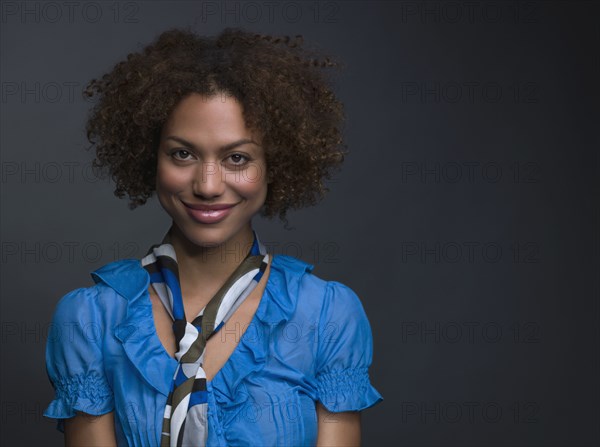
(185, 416)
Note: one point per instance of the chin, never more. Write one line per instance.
(204, 237)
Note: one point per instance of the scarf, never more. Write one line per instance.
(185, 416)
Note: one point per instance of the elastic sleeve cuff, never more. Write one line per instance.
(88, 393)
(347, 390)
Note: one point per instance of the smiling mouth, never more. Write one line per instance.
(217, 207)
(208, 216)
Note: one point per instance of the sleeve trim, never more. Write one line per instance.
(347, 390)
(88, 393)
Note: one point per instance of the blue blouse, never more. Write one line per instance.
(309, 340)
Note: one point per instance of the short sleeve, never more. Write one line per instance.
(74, 360)
(345, 352)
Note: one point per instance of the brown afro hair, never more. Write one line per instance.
(282, 87)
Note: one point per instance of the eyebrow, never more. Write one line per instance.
(221, 149)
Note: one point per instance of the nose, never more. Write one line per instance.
(207, 180)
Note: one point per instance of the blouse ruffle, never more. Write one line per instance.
(136, 331)
(334, 373)
(88, 393)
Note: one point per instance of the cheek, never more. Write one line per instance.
(168, 179)
(253, 180)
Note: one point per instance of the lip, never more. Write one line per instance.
(220, 206)
(209, 214)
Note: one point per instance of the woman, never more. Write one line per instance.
(210, 340)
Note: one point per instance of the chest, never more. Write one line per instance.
(276, 404)
(219, 347)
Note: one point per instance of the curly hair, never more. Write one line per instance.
(284, 93)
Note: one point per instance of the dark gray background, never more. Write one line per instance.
(466, 216)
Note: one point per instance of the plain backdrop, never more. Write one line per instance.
(466, 216)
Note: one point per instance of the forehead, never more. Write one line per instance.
(208, 121)
(208, 114)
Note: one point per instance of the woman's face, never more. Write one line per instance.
(208, 157)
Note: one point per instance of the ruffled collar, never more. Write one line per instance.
(137, 332)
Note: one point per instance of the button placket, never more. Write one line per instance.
(213, 413)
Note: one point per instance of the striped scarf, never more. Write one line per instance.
(185, 416)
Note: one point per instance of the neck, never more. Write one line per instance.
(203, 270)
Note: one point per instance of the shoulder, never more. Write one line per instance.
(342, 310)
(116, 284)
(292, 270)
(127, 277)
(314, 291)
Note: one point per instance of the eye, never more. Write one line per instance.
(239, 159)
(181, 154)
